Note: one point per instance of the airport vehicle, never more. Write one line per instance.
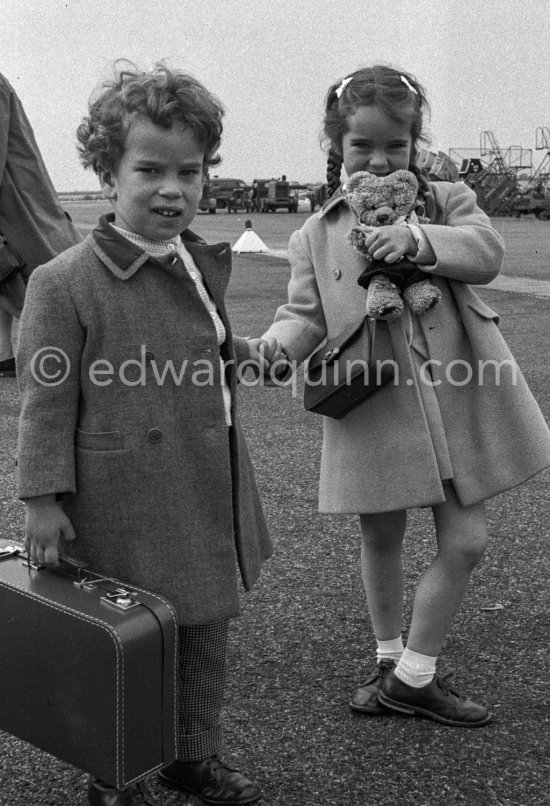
(535, 197)
(316, 194)
(539, 206)
(258, 193)
(495, 174)
(207, 202)
(279, 194)
(239, 200)
(222, 189)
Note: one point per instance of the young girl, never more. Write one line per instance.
(145, 471)
(457, 427)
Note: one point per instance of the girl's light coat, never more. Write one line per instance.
(381, 456)
(160, 492)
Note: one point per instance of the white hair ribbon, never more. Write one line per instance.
(407, 84)
(343, 86)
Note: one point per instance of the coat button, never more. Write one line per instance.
(154, 435)
(336, 273)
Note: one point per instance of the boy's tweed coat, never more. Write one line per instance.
(381, 456)
(158, 496)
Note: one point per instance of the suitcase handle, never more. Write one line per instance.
(63, 560)
(12, 551)
(9, 551)
(122, 598)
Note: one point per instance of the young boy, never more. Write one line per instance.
(130, 450)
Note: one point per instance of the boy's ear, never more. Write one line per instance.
(107, 184)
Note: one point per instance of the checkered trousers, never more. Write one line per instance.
(201, 683)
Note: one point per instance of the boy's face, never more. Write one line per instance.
(156, 187)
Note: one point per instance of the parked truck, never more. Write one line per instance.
(207, 202)
(279, 194)
(223, 189)
(531, 203)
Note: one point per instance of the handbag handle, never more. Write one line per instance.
(371, 324)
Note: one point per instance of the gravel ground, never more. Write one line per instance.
(304, 640)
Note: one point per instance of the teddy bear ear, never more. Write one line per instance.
(407, 178)
(360, 180)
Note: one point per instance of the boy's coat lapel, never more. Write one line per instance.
(214, 263)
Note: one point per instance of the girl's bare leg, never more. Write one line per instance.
(461, 539)
(382, 570)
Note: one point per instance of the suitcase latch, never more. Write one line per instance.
(122, 599)
(89, 584)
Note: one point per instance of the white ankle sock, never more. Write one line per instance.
(391, 650)
(415, 669)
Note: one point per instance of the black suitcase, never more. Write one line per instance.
(87, 668)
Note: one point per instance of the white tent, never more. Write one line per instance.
(249, 241)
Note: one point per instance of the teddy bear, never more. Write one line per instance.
(378, 201)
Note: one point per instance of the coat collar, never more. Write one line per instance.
(124, 258)
(336, 199)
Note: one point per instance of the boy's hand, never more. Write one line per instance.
(45, 524)
(391, 243)
(265, 352)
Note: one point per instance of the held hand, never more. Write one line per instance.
(45, 524)
(391, 243)
(265, 352)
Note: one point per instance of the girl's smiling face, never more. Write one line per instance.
(156, 186)
(375, 143)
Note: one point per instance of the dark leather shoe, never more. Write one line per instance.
(211, 780)
(102, 794)
(436, 701)
(365, 698)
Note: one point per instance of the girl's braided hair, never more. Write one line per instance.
(398, 94)
(161, 95)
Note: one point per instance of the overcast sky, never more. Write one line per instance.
(485, 64)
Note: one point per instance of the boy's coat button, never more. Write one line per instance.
(154, 435)
(336, 273)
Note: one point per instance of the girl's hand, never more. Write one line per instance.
(391, 243)
(45, 524)
(265, 352)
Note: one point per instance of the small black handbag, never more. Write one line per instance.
(348, 369)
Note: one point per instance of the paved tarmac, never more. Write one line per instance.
(303, 640)
(521, 285)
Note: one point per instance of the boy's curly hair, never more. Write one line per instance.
(162, 95)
